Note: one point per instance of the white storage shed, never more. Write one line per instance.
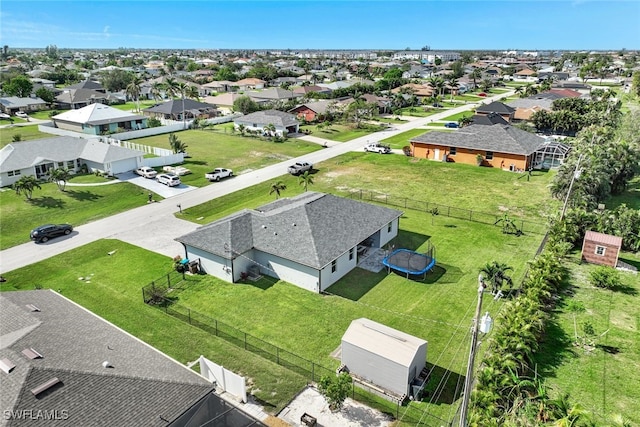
(383, 356)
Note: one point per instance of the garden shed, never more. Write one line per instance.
(383, 356)
(600, 248)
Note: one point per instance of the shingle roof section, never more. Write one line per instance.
(605, 239)
(495, 107)
(497, 138)
(174, 106)
(96, 114)
(312, 229)
(142, 385)
(275, 117)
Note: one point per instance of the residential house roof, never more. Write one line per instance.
(386, 342)
(311, 229)
(97, 114)
(75, 96)
(87, 84)
(272, 94)
(12, 102)
(319, 107)
(495, 107)
(497, 138)
(249, 81)
(275, 117)
(311, 88)
(25, 154)
(526, 113)
(489, 119)
(175, 106)
(142, 386)
(566, 93)
(224, 99)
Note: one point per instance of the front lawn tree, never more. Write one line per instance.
(277, 188)
(305, 180)
(495, 274)
(60, 177)
(26, 185)
(176, 145)
(335, 389)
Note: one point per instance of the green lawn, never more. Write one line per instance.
(341, 132)
(132, 106)
(402, 139)
(420, 111)
(631, 197)
(115, 294)
(602, 380)
(211, 149)
(455, 117)
(26, 133)
(76, 206)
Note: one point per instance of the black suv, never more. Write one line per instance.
(43, 233)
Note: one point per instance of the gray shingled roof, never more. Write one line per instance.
(142, 385)
(495, 107)
(488, 120)
(497, 138)
(24, 154)
(18, 102)
(312, 229)
(319, 107)
(174, 106)
(277, 118)
(73, 96)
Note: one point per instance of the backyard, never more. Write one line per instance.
(26, 133)
(341, 132)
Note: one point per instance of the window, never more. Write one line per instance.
(600, 250)
(351, 252)
(334, 266)
(389, 227)
(14, 173)
(60, 165)
(489, 155)
(70, 164)
(452, 151)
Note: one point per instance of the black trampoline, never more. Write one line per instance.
(410, 262)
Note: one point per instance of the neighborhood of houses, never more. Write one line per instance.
(311, 240)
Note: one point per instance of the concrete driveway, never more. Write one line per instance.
(154, 186)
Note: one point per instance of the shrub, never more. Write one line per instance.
(335, 389)
(605, 277)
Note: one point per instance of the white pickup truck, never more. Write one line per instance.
(376, 147)
(218, 173)
(299, 167)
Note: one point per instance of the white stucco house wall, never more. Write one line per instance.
(39, 156)
(310, 240)
(383, 356)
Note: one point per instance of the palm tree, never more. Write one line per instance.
(305, 179)
(475, 75)
(176, 145)
(496, 274)
(157, 90)
(242, 128)
(26, 185)
(193, 93)
(452, 82)
(183, 88)
(519, 91)
(133, 89)
(60, 177)
(277, 187)
(271, 128)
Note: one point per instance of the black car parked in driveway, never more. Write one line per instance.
(43, 233)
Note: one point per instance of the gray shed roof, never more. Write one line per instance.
(275, 117)
(311, 229)
(24, 154)
(143, 384)
(497, 138)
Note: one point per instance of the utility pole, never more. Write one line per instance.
(472, 352)
(576, 174)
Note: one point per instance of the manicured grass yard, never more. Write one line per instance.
(76, 206)
(603, 380)
(26, 133)
(402, 139)
(341, 132)
(455, 117)
(420, 111)
(211, 149)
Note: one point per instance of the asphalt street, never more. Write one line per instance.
(154, 227)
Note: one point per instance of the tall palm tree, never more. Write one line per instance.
(193, 93)
(271, 128)
(452, 82)
(60, 177)
(183, 88)
(476, 74)
(305, 179)
(134, 88)
(157, 90)
(277, 187)
(26, 185)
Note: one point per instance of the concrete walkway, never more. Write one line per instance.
(154, 226)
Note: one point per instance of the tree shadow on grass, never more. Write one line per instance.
(48, 202)
(84, 196)
(555, 347)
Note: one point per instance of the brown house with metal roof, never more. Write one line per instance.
(600, 248)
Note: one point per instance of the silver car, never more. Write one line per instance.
(169, 179)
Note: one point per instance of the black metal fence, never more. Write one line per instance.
(445, 210)
(158, 289)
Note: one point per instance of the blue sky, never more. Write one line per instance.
(302, 24)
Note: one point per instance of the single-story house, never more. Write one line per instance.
(63, 365)
(99, 119)
(219, 86)
(173, 109)
(383, 356)
(12, 104)
(249, 84)
(600, 248)
(312, 110)
(502, 146)
(71, 99)
(272, 94)
(39, 156)
(303, 90)
(497, 107)
(224, 101)
(310, 240)
(283, 122)
(88, 84)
